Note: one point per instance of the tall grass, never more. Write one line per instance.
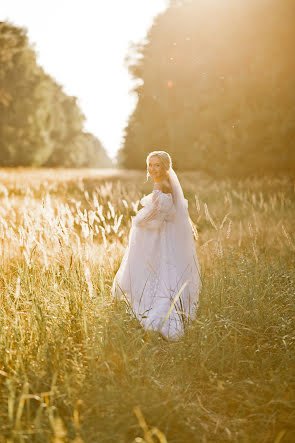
(75, 366)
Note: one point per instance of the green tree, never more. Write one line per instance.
(23, 110)
(39, 123)
(216, 88)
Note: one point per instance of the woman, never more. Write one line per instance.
(159, 275)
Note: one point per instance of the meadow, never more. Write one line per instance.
(75, 366)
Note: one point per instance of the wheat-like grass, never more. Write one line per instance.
(75, 365)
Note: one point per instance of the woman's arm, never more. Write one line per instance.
(148, 216)
(155, 212)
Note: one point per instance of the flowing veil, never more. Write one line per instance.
(185, 257)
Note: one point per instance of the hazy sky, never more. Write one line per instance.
(82, 44)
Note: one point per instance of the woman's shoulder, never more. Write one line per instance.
(164, 186)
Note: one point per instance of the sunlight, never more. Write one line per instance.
(83, 46)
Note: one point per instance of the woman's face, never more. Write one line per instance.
(155, 167)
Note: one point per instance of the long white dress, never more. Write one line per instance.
(150, 275)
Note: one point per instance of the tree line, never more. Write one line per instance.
(215, 88)
(40, 125)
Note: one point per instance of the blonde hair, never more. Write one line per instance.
(165, 158)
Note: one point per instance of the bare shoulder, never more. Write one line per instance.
(166, 187)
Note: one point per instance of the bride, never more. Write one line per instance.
(159, 276)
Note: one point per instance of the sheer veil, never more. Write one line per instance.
(183, 228)
(183, 237)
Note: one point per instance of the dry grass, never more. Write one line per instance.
(75, 366)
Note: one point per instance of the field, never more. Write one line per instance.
(76, 367)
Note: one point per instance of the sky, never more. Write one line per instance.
(82, 44)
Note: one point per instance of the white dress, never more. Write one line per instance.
(150, 277)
